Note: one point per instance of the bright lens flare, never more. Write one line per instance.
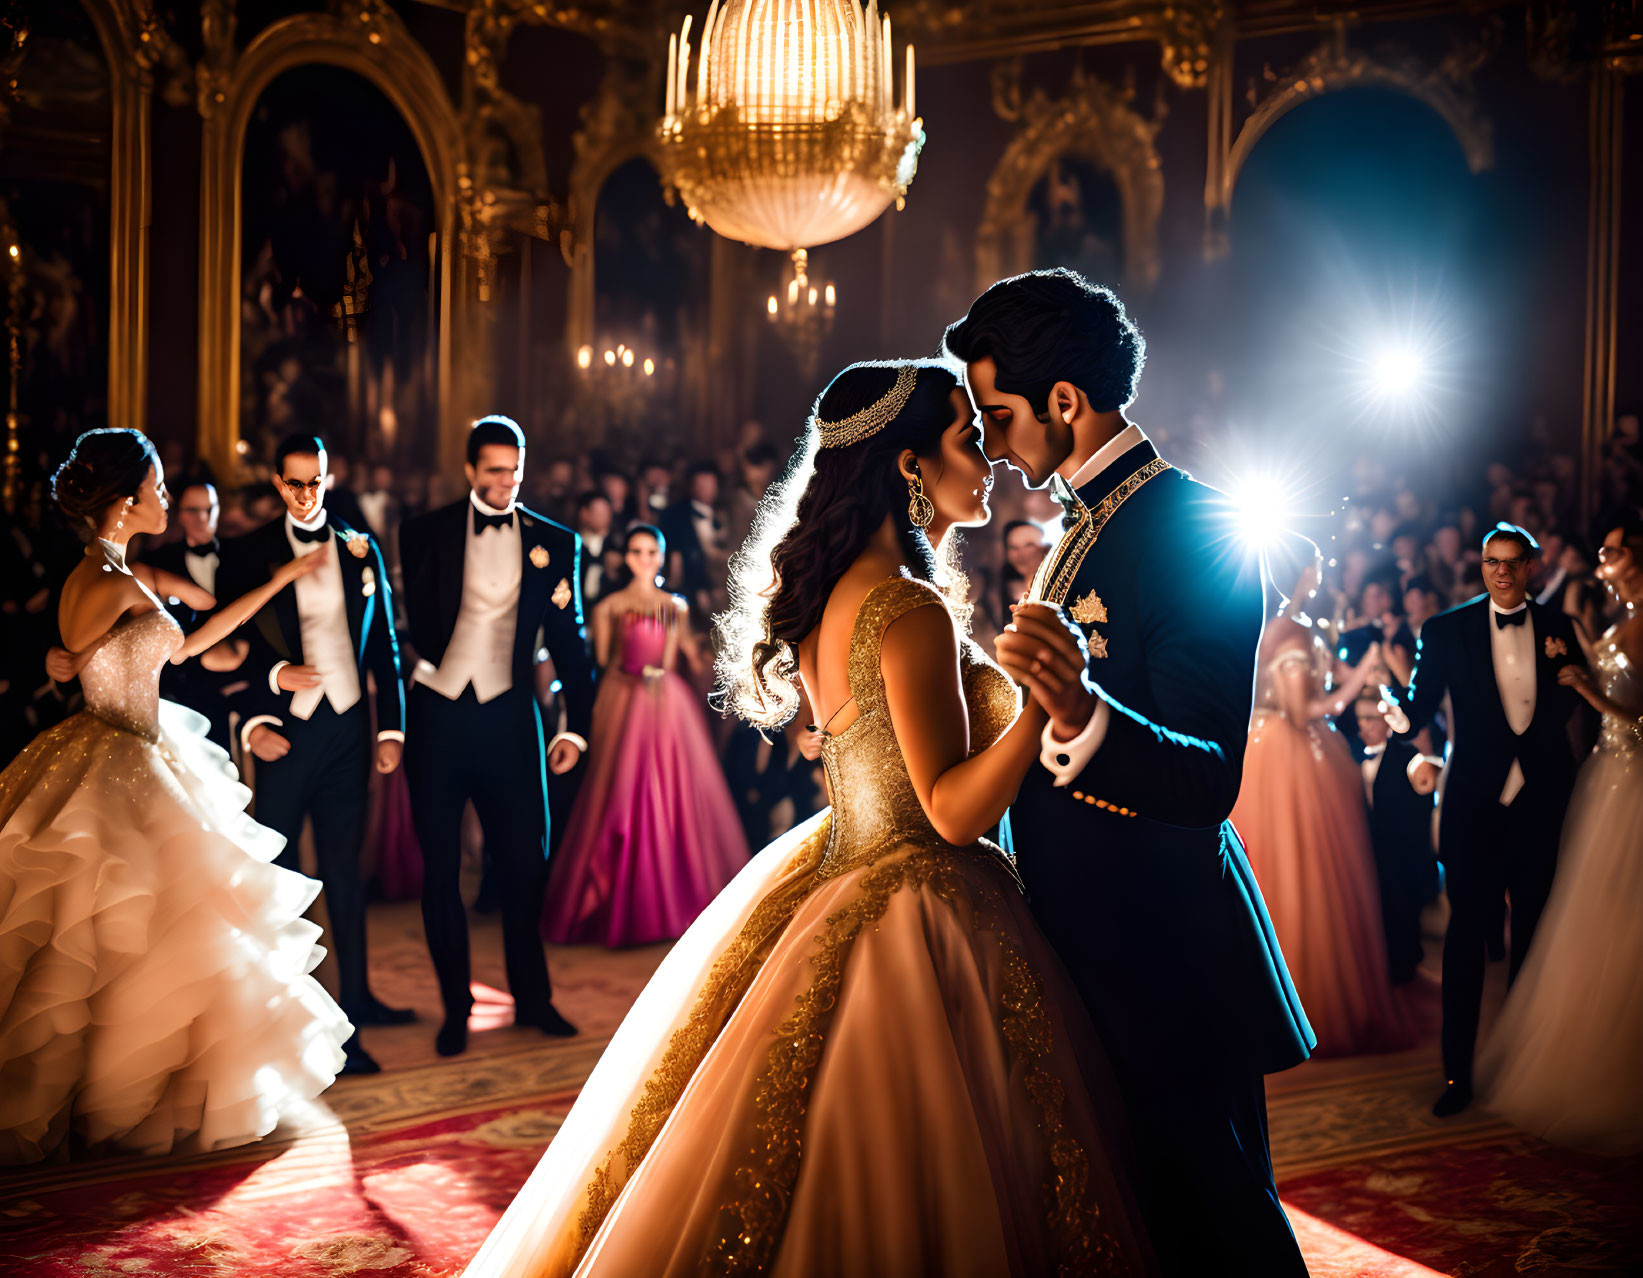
(1397, 371)
(1263, 507)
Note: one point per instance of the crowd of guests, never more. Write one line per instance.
(1348, 890)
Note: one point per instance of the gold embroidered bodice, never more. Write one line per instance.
(874, 804)
(1621, 683)
(121, 681)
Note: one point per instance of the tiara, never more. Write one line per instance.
(872, 419)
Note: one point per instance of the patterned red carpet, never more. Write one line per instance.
(401, 1175)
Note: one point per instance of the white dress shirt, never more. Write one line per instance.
(1066, 759)
(1513, 648)
(1371, 769)
(593, 552)
(480, 651)
(201, 569)
(327, 643)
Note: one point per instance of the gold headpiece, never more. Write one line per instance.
(872, 419)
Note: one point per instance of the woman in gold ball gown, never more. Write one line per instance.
(863, 1058)
(154, 965)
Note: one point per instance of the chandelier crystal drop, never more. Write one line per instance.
(782, 129)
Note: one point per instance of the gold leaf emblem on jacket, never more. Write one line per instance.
(539, 556)
(561, 592)
(1090, 611)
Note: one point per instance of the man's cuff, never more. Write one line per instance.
(391, 734)
(1414, 764)
(578, 741)
(274, 677)
(254, 721)
(1066, 759)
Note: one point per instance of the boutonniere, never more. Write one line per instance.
(368, 581)
(561, 593)
(1556, 647)
(358, 543)
(539, 556)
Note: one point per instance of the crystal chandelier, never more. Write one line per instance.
(783, 132)
(803, 313)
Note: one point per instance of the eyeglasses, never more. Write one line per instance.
(1511, 565)
(303, 486)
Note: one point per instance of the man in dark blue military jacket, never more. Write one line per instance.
(1139, 636)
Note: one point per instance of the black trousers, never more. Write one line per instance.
(492, 754)
(326, 776)
(1491, 851)
(1205, 1188)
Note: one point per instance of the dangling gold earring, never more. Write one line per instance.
(920, 509)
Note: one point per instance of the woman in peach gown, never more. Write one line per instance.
(1301, 814)
(154, 963)
(863, 1058)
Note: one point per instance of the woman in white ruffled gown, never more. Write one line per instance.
(1565, 1060)
(155, 987)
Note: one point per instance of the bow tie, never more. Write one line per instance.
(211, 547)
(482, 521)
(1504, 619)
(322, 533)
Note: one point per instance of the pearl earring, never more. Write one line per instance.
(124, 511)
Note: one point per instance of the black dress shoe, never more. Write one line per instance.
(376, 1012)
(358, 1060)
(549, 1022)
(452, 1039)
(1456, 1097)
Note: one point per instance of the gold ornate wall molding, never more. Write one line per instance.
(135, 48)
(1093, 121)
(1332, 68)
(368, 39)
(617, 126)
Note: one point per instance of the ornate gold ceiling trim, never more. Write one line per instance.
(1092, 120)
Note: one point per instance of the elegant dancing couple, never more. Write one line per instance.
(890, 1047)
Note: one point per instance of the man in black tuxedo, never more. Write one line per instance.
(695, 536)
(1510, 771)
(484, 577)
(1123, 843)
(197, 557)
(1399, 783)
(312, 650)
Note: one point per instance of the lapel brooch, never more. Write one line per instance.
(1090, 611)
(561, 592)
(358, 543)
(1556, 647)
(539, 556)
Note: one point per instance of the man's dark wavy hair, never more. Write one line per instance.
(1053, 326)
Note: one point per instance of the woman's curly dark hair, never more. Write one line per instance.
(103, 467)
(814, 523)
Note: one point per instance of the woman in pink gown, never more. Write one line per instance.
(654, 835)
(1302, 818)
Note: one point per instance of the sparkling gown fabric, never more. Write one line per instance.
(1565, 1059)
(861, 1059)
(154, 967)
(1301, 814)
(654, 835)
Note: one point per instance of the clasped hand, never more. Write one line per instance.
(1045, 653)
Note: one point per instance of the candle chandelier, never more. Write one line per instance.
(802, 312)
(781, 129)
